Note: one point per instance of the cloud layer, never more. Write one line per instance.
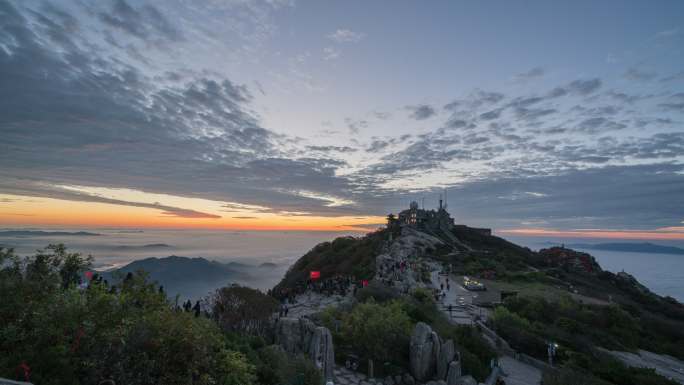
(94, 106)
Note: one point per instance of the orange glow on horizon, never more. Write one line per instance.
(23, 211)
(672, 233)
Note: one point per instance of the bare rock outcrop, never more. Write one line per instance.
(322, 352)
(446, 354)
(432, 361)
(408, 379)
(294, 334)
(440, 382)
(466, 380)
(301, 336)
(454, 373)
(423, 352)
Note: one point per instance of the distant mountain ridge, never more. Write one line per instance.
(142, 247)
(189, 277)
(630, 247)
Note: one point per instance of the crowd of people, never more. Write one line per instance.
(394, 273)
(336, 285)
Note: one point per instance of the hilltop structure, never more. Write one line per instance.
(430, 221)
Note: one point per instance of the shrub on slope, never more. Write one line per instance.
(344, 256)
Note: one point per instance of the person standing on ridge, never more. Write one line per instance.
(197, 308)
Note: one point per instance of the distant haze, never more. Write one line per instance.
(116, 248)
(662, 273)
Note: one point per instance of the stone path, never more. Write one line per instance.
(344, 376)
(465, 313)
(519, 373)
(312, 302)
(460, 299)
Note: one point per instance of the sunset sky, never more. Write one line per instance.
(536, 118)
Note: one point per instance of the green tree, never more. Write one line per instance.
(381, 331)
(239, 308)
(68, 335)
(277, 368)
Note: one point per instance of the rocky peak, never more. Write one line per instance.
(570, 259)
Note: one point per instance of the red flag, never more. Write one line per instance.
(24, 370)
(314, 274)
(89, 275)
(364, 282)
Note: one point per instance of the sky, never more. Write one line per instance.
(542, 117)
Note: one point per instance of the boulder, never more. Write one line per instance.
(454, 373)
(466, 380)
(408, 379)
(423, 352)
(322, 352)
(294, 334)
(436, 348)
(301, 336)
(446, 354)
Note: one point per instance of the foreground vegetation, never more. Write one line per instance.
(57, 332)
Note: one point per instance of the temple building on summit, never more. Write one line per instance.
(431, 220)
